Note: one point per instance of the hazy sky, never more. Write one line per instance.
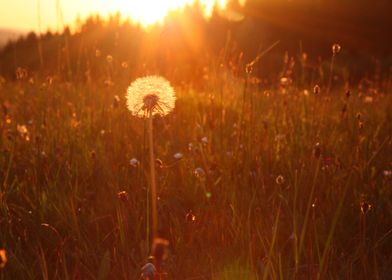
(22, 14)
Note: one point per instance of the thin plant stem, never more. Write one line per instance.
(153, 190)
(331, 73)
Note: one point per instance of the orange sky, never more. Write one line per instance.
(23, 14)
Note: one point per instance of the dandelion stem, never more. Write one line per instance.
(153, 189)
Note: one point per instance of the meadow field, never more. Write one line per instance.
(271, 165)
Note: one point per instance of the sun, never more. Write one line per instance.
(148, 12)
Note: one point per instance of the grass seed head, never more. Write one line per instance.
(317, 150)
(316, 89)
(336, 48)
(123, 196)
(190, 217)
(279, 180)
(365, 207)
(159, 163)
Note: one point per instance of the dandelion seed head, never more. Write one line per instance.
(134, 162)
(150, 94)
(148, 271)
(199, 172)
(178, 156)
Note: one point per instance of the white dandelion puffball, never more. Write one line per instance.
(178, 156)
(150, 95)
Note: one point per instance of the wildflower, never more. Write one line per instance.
(387, 173)
(279, 180)
(204, 140)
(178, 156)
(190, 146)
(150, 94)
(3, 258)
(148, 271)
(336, 48)
(124, 65)
(134, 162)
(199, 172)
(97, 53)
(102, 132)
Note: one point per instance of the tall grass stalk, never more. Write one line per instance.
(331, 232)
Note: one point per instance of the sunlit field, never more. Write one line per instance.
(180, 147)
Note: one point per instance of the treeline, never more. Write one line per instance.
(187, 43)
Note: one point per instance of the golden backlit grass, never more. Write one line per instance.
(273, 183)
